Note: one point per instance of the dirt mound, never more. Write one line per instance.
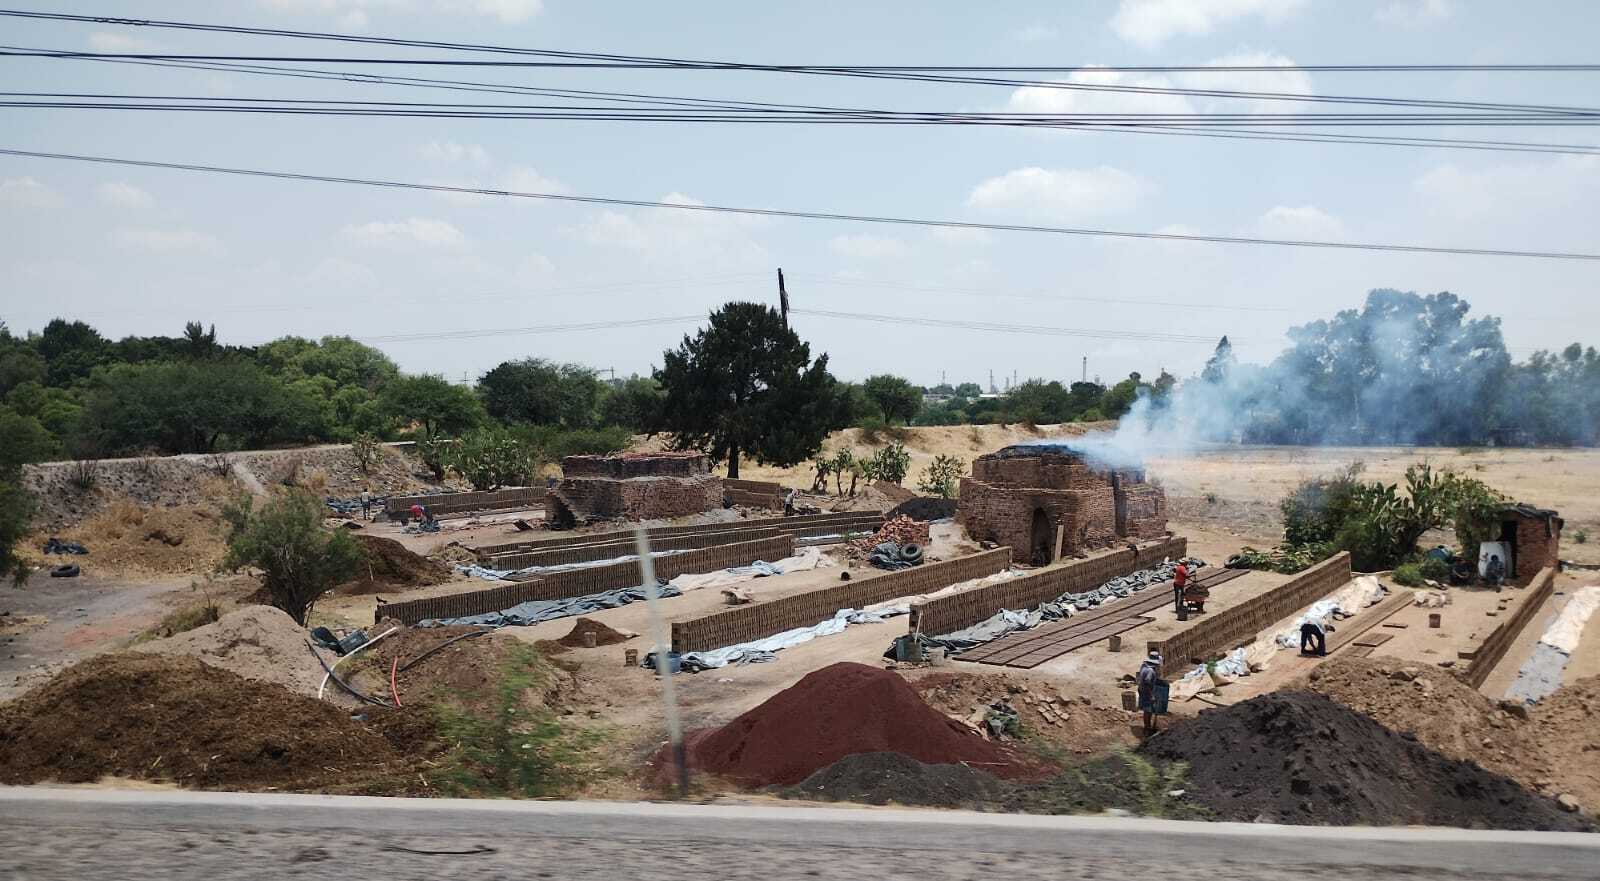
(161, 717)
(257, 642)
(388, 566)
(1068, 722)
(1568, 732)
(841, 710)
(603, 635)
(127, 537)
(1298, 757)
(892, 778)
(466, 672)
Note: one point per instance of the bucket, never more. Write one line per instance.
(1130, 701)
(937, 656)
(588, 639)
(630, 657)
(1114, 644)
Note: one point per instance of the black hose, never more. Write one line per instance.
(340, 682)
(440, 647)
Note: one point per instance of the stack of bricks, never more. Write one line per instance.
(800, 526)
(447, 504)
(590, 580)
(957, 611)
(1082, 504)
(633, 486)
(762, 619)
(753, 493)
(1492, 650)
(1220, 632)
(584, 553)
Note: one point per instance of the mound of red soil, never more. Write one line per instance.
(1298, 757)
(842, 710)
(171, 717)
(387, 565)
(603, 635)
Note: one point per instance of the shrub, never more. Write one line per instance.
(220, 464)
(875, 428)
(1434, 569)
(1408, 575)
(299, 560)
(1581, 537)
(16, 513)
(889, 463)
(942, 476)
(83, 474)
(366, 450)
(492, 457)
(508, 749)
(1284, 559)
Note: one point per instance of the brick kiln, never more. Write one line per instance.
(1047, 501)
(632, 486)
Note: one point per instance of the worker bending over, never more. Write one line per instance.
(1314, 639)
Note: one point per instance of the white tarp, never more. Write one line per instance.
(1564, 633)
(804, 560)
(780, 641)
(488, 574)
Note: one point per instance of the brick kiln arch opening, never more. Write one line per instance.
(1041, 542)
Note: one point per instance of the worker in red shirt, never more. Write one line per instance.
(1180, 578)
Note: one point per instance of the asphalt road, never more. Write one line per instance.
(86, 835)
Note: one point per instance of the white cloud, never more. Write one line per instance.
(356, 13)
(1043, 99)
(868, 247)
(110, 41)
(957, 235)
(1060, 194)
(1414, 13)
(450, 151)
(1542, 188)
(26, 192)
(165, 241)
(1149, 23)
(1291, 82)
(517, 179)
(523, 179)
(1035, 33)
(1303, 222)
(684, 240)
(123, 195)
(412, 230)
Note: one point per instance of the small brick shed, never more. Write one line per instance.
(1535, 538)
(632, 486)
(1048, 500)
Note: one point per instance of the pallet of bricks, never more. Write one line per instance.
(746, 623)
(1221, 632)
(582, 582)
(801, 527)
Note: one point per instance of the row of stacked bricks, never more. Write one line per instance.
(743, 624)
(753, 493)
(1221, 632)
(957, 611)
(783, 524)
(453, 503)
(589, 580)
(607, 550)
(1493, 649)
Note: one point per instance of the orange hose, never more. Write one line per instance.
(394, 686)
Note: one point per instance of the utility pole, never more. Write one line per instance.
(783, 299)
(1085, 368)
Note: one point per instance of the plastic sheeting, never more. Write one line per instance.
(1011, 620)
(1541, 674)
(752, 652)
(534, 611)
(1566, 631)
(803, 561)
(488, 574)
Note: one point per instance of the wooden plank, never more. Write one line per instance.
(1078, 641)
(1373, 640)
(1351, 630)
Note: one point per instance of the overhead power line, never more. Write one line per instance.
(714, 65)
(809, 215)
(1214, 132)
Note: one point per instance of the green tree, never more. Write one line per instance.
(541, 392)
(299, 559)
(347, 362)
(1082, 396)
(1119, 398)
(190, 407)
(747, 386)
(1221, 363)
(968, 390)
(634, 404)
(896, 398)
(432, 402)
(24, 441)
(942, 477)
(1040, 402)
(70, 350)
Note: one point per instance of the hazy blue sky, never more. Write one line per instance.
(136, 251)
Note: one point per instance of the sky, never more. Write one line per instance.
(141, 251)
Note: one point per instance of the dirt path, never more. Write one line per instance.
(54, 622)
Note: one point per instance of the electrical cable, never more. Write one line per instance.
(808, 215)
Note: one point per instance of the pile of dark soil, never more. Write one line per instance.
(924, 509)
(388, 566)
(892, 778)
(466, 672)
(841, 710)
(1118, 781)
(171, 717)
(603, 635)
(1298, 757)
